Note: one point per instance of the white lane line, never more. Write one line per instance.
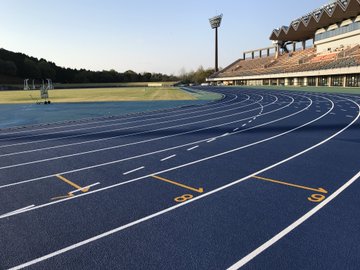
(167, 158)
(123, 227)
(293, 226)
(134, 170)
(63, 124)
(244, 125)
(18, 211)
(224, 135)
(83, 188)
(236, 129)
(156, 152)
(350, 116)
(193, 148)
(211, 140)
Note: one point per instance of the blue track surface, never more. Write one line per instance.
(258, 180)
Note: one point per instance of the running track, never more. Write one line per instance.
(257, 180)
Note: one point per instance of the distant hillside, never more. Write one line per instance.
(15, 67)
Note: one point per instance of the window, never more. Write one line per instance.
(311, 81)
(300, 81)
(323, 81)
(337, 80)
(353, 80)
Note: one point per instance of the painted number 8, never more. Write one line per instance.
(184, 198)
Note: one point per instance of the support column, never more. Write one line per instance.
(216, 50)
(244, 56)
(304, 44)
(260, 53)
(252, 55)
(305, 81)
(329, 81)
(294, 46)
(277, 82)
(344, 81)
(317, 81)
(286, 81)
(268, 52)
(296, 82)
(277, 51)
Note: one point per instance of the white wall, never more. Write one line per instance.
(348, 39)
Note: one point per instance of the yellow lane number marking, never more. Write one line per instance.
(316, 198)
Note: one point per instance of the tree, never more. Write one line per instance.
(8, 68)
(199, 76)
(31, 69)
(47, 72)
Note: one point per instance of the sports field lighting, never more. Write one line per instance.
(215, 23)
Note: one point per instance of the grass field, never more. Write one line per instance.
(94, 85)
(98, 95)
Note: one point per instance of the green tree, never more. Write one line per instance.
(31, 69)
(47, 72)
(8, 68)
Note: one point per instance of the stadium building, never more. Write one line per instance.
(322, 48)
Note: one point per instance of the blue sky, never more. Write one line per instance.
(165, 36)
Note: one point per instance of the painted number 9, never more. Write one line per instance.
(183, 198)
(316, 198)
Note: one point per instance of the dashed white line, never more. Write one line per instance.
(169, 157)
(350, 116)
(244, 125)
(211, 140)
(134, 170)
(236, 129)
(18, 211)
(193, 148)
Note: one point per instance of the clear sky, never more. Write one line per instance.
(164, 36)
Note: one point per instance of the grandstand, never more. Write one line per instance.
(331, 59)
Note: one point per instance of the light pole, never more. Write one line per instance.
(215, 23)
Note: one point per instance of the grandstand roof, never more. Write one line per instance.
(305, 27)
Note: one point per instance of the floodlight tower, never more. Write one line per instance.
(215, 23)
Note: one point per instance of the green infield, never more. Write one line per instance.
(105, 95)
